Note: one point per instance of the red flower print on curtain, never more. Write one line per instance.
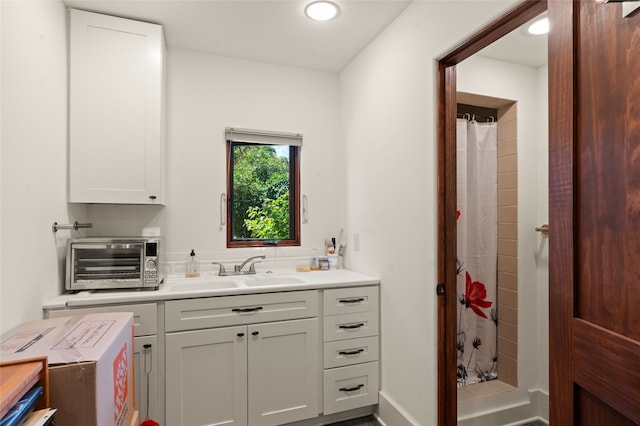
(475, 295)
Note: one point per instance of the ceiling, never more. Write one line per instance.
(519, 47)
(277, 31)
(261, 30)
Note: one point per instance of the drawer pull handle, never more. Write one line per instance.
(255, 333)
(355, 388)
(245, 310)
(351, 326)
(358, 300)
(240, 334)
(354, 352)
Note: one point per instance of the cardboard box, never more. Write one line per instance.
(90, 365)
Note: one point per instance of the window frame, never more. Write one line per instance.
(294, 199)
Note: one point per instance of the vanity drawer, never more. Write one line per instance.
(145, 315)
(348, 352)
(346, 388)
(351, 326)
(350, 300)
(192, 314)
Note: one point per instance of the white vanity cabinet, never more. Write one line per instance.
(350, 348)
(146, 353)
(116, 110)
(243, 360)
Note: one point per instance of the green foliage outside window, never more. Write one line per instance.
(260, 198)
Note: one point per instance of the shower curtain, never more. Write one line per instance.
(477, 231)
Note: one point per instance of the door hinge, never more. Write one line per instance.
(440, 289)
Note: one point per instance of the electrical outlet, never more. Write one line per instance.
(356, 242)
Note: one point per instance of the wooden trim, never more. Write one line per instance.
(446, 93)
(229, 184)
(447, 304)
(512, 20)
(294, 210)
(562, 270)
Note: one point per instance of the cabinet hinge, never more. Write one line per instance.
(440, 289)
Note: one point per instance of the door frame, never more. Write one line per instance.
(446, 118)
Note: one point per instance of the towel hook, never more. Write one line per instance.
(543, 229)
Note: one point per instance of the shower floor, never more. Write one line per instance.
(482, 390)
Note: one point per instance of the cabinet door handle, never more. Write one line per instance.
(255, 333)
(354, 352)
(355, 388)
(245, 310)
(152, 197)
(358, 300)
(240, 334)
(351, 326)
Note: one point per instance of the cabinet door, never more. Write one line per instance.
(145, 361)
(283, 372)
(116, 109)
(206, 377)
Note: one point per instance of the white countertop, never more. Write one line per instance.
(210, 284)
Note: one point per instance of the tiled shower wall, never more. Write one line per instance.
(507, 245)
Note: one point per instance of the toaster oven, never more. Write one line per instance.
(113, 263)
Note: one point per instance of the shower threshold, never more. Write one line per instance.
(483, 390)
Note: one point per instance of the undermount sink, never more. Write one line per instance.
(271, 280)
(204, 285)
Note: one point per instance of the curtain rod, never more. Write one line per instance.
(473, 117)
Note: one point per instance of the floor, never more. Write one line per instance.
(362, 421)
(371, 421)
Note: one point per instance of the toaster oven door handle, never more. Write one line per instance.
(106, 246)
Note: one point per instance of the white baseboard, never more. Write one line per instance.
(389, 414)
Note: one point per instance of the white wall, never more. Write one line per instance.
(34, 157)
(207, 93)
(371, 134)
(388, 101)
(526, 86)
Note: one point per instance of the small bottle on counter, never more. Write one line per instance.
(324, 264)
(314, 264)
(193, 266)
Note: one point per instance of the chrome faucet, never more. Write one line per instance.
(237, 269)
(252, 268)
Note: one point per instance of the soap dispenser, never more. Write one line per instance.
(193, 266)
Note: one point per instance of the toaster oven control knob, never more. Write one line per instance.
(151, 264)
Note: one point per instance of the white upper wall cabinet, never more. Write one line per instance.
(116, 110)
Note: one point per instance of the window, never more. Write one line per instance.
(263, 180)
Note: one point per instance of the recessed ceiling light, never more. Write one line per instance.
(539, 27)
(322, 10)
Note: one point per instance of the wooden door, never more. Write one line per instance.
(594, 251)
